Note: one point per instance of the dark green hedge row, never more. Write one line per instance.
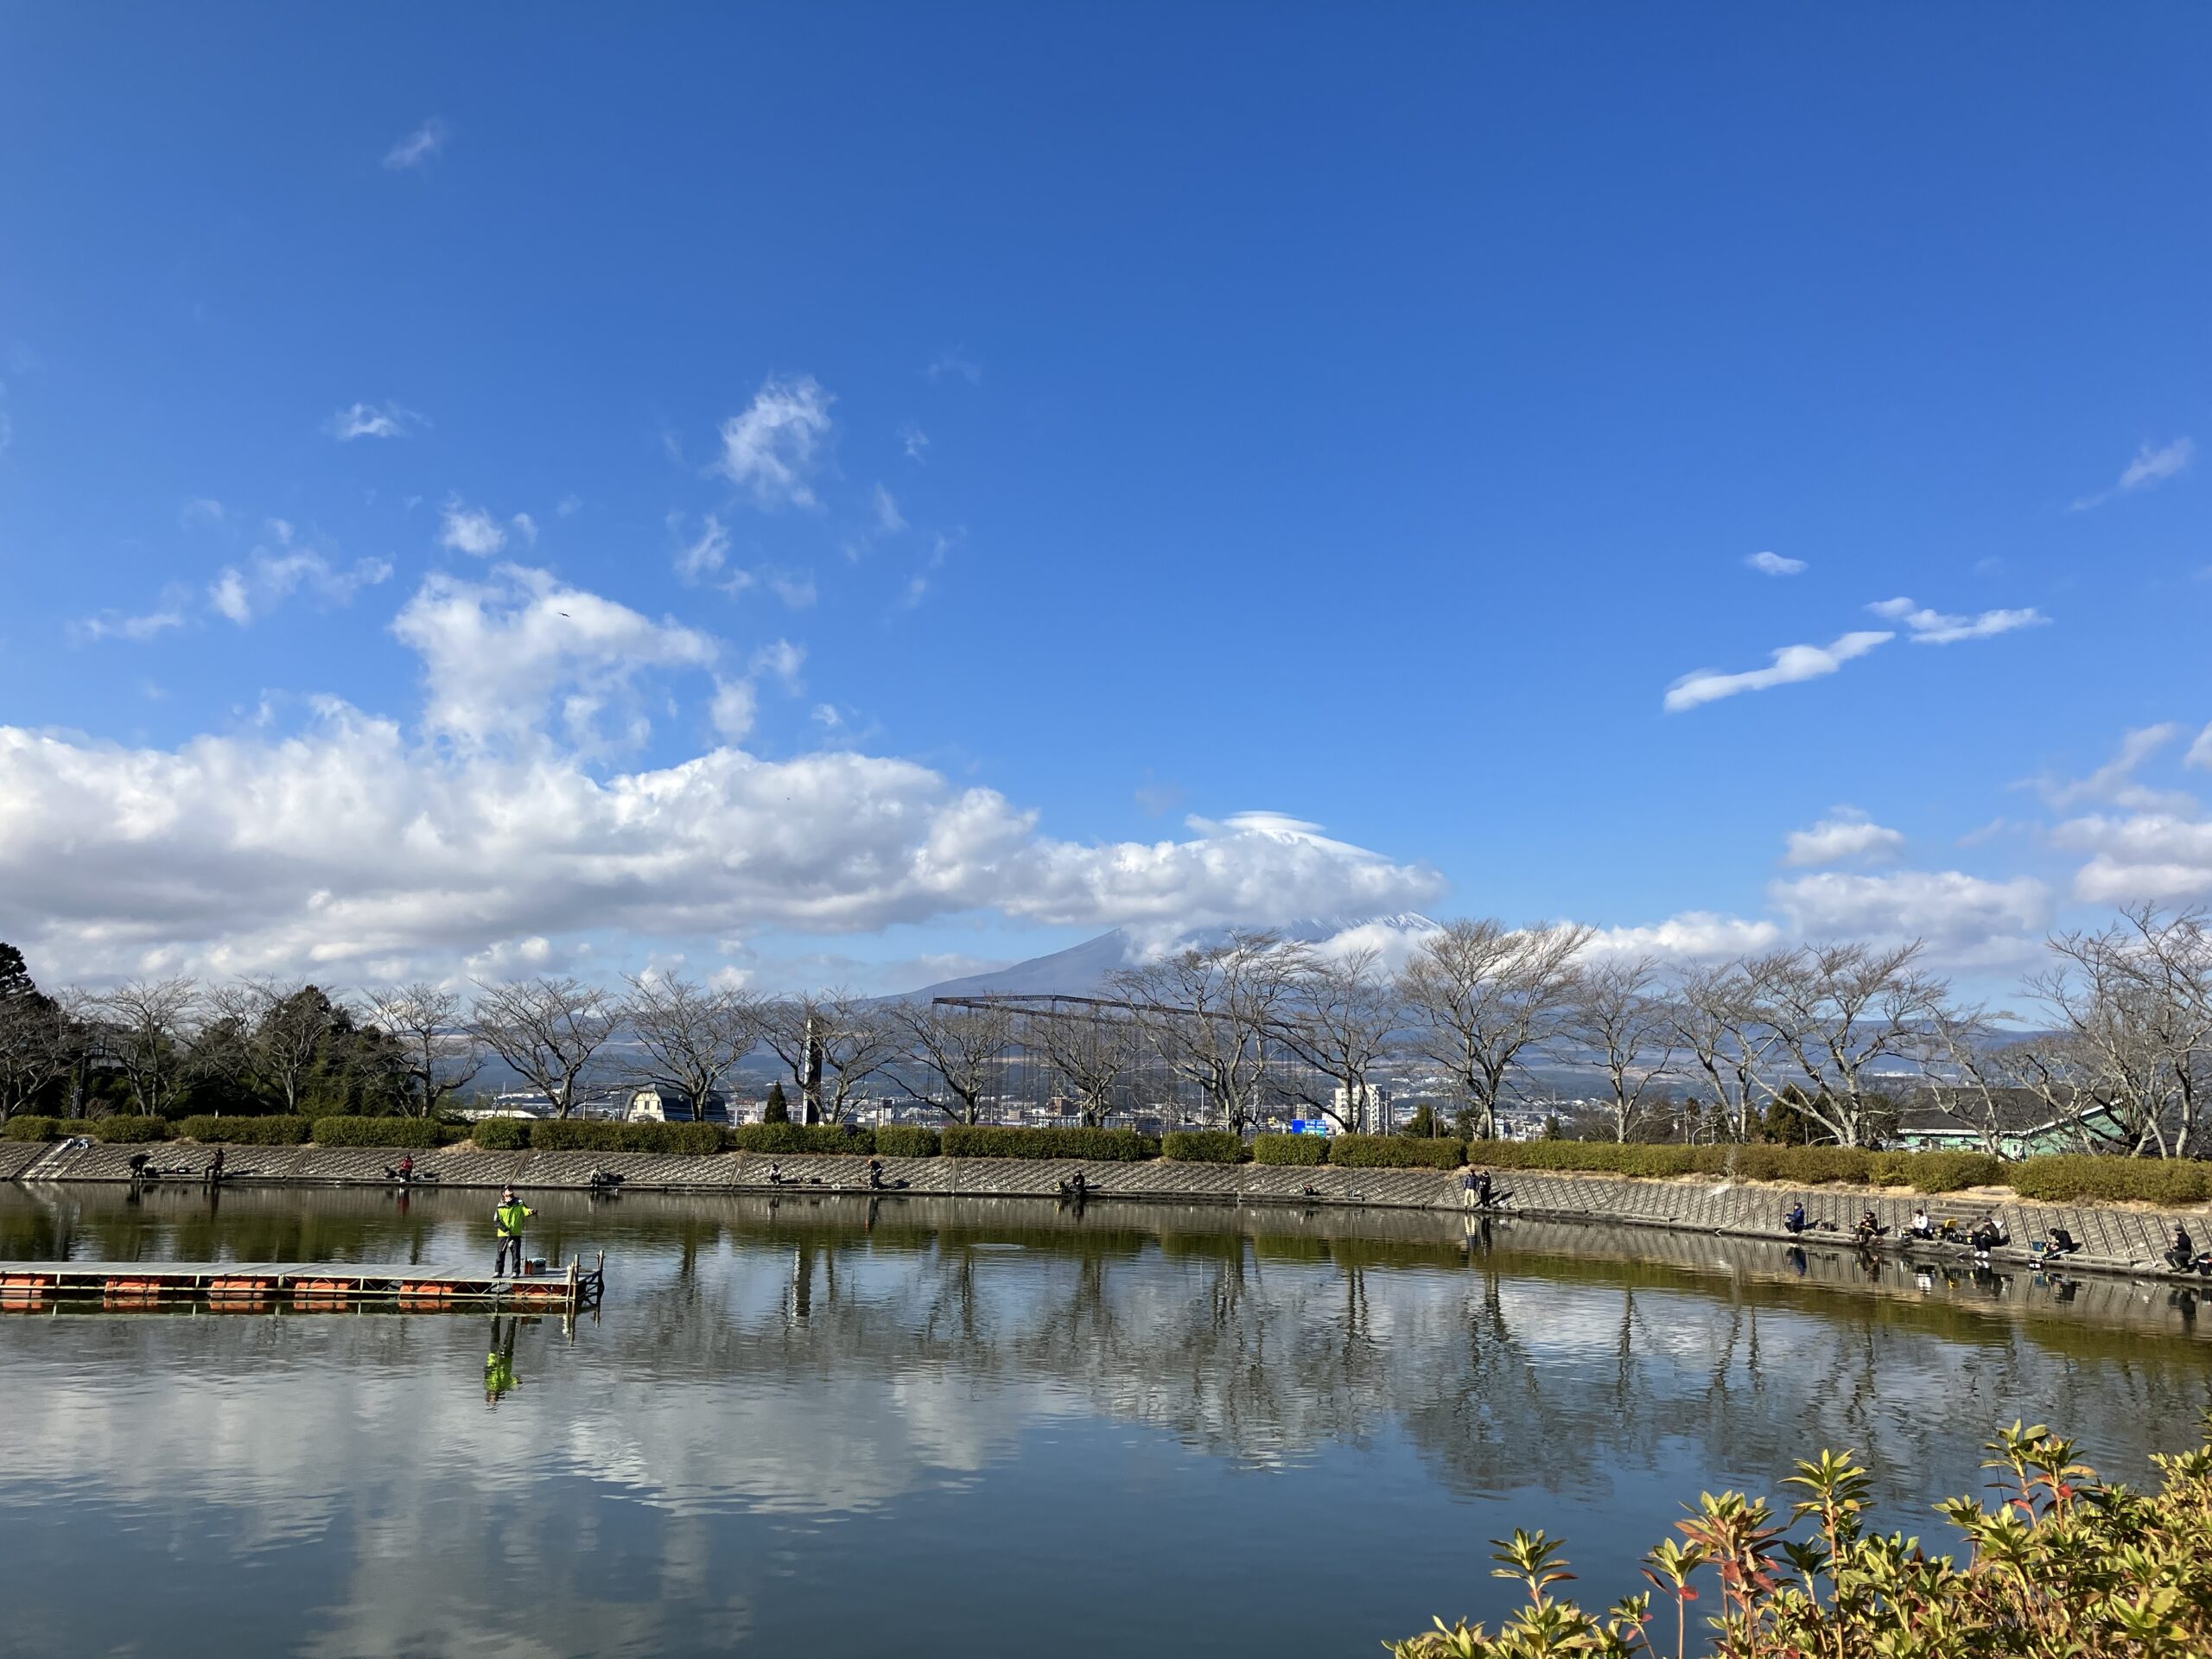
(500, 1134)
(802, 1137)
(1102, 1146)
(907, 1141)
(29, 1129)
(597, 1135)
(413, 1134)
(1394, 1152)
(246, 1131)
(1926, 1171)
(1303, 1150)
(1202, 1146)
(2148, 1180)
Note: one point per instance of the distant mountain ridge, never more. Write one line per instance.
(1083, 970)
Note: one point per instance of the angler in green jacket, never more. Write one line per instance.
(506, 1224)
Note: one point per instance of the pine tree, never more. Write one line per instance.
(778, 1111)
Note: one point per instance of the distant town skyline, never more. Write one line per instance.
(865, 496)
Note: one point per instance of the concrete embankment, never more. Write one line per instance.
(2114, 1240)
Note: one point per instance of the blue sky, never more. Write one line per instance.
(1005, 469)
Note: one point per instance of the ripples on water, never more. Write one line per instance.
(829, 1426)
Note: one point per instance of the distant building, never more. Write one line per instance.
(653, 1104)
(519, 1103)
(1368, 1108)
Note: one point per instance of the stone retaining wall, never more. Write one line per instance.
(2113, 1239)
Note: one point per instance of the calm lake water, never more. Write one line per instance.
(828, 1427)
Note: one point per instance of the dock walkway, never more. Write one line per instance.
(34, 1287)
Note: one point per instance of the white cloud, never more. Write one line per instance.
(526, 527)
(417, 147)
(772, 447)
(348, 844)
(705, 557)
(1692, 935)
(1846, 833)
(1963, 917)
(202, 509)
(1935, 628)
(2164, 856)
(1774, 564)
(795, 589)
(887, 512)
(1791, 664)
(732, 709)
(2151, 466)
(915, 442)
(373, 421)
(569, 506)
(782, 660)
(470, 530)
(499, 655)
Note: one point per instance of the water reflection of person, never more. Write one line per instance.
(500, 1362)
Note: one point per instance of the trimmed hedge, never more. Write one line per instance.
(907, 1141)
(1394, 1152)
(597, 1135)
(128, 1131)
(1202, 1146)
(1102, 1146)
(802, 1137)
(1926, 1171)
(413, 1134)
(1938, 1171)
(31, 1128)
(500, 1134)
(2064, 1179)
(1305, 1151)
(246, 1131)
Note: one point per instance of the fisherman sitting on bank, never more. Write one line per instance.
(506, 1223)
(1869, 1229)
(1987, 1235)
(1794, 1222)
(1923, 1228)
(2181, 1255)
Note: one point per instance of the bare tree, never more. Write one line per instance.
(550, 1030)
(148, 1024)
(41, 1038)
(1479, 995)
(276, 1032)
(831, 1043)
(1091, 1050)
(963, 1048)
(1718, 1027)
(440, 1054)
(1339, 1019)
(1615, 1015)
(694, 1036)
(1839, 1009)
(1208, 1012)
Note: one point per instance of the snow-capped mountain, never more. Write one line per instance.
(1083, 969)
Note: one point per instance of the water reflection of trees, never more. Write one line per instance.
(1531, 1355)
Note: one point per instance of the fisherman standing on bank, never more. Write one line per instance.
(506, 1223)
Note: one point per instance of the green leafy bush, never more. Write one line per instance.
(31, 1128)
(2068, 1179)
(1304, 1151)
(1203, 1147)
(1103, 1146)
(1806, 1165)
(802, 1137)
(1394, 1152)
(2063, 1564)
(500, 1134)
(907, 1141)
(1630, 1160)
(597, 1135)
(1938, 1172)
(246, 1131)
(413, 1134)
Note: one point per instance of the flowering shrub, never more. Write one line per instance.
(2064, 1565)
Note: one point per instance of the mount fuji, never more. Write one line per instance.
(1083, 969)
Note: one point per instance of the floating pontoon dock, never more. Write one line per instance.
(262, 1287)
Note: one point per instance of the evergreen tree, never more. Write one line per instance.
(778, 1111)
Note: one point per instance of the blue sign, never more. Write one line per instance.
(1309, 1126)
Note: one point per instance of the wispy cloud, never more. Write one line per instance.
(373, 421)
(1929, 627)
(702, 557)
(2151, 466)
(419, 146)
(887, 512)
(202, 509)
(2115, 781)
(1791, 664)
(267, 579)
(915, 442)
(957, 363)
(1774, 564)
(2200, 753)
(136, 630)
(772, 447)
(470, 530)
